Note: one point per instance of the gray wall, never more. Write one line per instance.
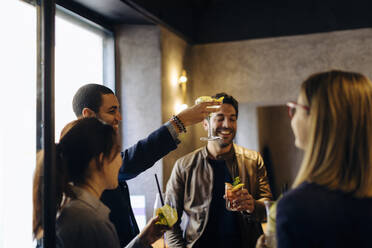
(139, 84)
(175, 58)
(247, 135)
(270, 71)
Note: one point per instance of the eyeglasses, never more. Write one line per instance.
(292, 108)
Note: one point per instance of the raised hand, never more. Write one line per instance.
(197, 113)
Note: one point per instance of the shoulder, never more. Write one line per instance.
(80, 223)
(190, 159)
(76, 213)
(300, 201)
(246, 153)
(304, 190)
(297, 193)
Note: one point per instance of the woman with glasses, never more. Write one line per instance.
(330, 204)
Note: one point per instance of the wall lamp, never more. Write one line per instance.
(182, 83)
(183, 78)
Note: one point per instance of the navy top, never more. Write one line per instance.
(314, 216)
(136, 159)
(222, 227)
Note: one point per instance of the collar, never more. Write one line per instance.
(91, 201)
(228, 156)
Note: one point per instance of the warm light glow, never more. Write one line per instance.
(179, 107)
(173, 76)
(174, 81)
(183, 78)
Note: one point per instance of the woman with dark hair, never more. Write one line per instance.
(330, 204)
(88, 162)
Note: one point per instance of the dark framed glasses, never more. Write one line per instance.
(292, 106)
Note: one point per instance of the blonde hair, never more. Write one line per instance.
(339, 152)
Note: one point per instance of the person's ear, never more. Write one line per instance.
(100, 161)
(100, 158)
(87, 112)
(205, 124)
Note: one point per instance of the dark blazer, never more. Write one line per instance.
(136, 159)
(314, 216)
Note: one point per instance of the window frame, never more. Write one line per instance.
(45, 121)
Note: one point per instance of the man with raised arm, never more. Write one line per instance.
(99, 101)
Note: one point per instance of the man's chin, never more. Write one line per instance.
(224, 143)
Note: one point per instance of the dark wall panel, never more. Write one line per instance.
(276, 141)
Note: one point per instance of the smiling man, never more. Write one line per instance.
(94, 100)
(197, 187)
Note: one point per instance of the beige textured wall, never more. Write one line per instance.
(175, 59)
(266, 73)
(263, 75)
(139, 83)
(269, 71)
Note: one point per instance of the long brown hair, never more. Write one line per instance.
(82, 140)
(339, 152)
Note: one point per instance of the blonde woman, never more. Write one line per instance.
(330, 204)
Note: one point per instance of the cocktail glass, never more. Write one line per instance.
(157, 205)
(230, 197)
(170, 201)
(210, 137)
(270, 239)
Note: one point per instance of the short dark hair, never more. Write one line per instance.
(229, 100)
(89, 96)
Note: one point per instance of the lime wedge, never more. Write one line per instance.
(237, 187)
(167, 215)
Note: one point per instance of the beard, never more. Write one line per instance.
(224, 142)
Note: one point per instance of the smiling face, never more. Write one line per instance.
(300, 123)
(109, 111)
(224, 124)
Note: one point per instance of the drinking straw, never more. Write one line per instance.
(161, 196)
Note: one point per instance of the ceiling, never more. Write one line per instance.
(209, 21)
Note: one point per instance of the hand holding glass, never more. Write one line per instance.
(166, 213)
(209, 99)
(231, 196)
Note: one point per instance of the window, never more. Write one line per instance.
(78, 61)
(79, 54)
(18, 122)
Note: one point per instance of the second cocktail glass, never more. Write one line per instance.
(210, 132)
(270, 239)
